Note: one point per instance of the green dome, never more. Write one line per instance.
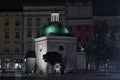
(54, 29)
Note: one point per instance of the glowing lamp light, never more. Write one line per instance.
(82, 49)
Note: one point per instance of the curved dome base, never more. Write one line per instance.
(54, 29)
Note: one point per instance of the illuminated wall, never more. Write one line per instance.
(30, 64)
(41, 49)
(53, 43)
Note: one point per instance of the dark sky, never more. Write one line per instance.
(100, 6)
(16, 4)
(13, 4)
(106, 7)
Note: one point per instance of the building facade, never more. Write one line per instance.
(79, 20)
(19, 29)
(35, 17)
(11, 40)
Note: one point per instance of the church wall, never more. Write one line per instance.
(80, 61)
(71, 58)
(40, 49)
(68, 54)
(30, 64)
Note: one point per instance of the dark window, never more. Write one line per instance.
(7, 47)
(87, 39)
(61, 48)
(29, 33)
(87, 28)
(29, 22)
(17, 34)
(79, 38)
(40, 50)
(70, 28)
(17, 47)
(38, 33)
(49, 20)
(60, 19)
(17, 22)
(7, 22)
(79, 28)
(29, 47)
(7, 50)
(55, 19)
(6, 35)
(38, 21)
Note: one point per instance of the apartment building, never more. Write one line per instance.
(11, 40)
(79, 20)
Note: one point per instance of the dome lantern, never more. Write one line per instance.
(54, 28)
(54, 15)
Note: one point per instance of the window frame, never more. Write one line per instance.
(79, 28)
(29, 21)
(87, 28)
(6, 22)
(7, 35)
(38, 21)
(17, 34)
(17, 21)
(7, 46)
(29, 33)
(17, 46)
(87, 39)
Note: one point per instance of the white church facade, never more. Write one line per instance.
(56, 37)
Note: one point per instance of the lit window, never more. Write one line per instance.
(29, 21)
(6, 22)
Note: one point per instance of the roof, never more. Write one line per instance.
(54, 10)
(11, 10)
(54, 29)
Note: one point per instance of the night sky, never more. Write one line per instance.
(17, 4)
(108, 7)
(14, 4)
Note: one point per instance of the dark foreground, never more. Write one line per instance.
(89, 76)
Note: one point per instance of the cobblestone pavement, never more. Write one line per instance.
(88, 76)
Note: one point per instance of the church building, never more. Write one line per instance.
(56, 38)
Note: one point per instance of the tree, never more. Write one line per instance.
(114, 41)
(101, 30)
(52, 58)
(107, 42)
